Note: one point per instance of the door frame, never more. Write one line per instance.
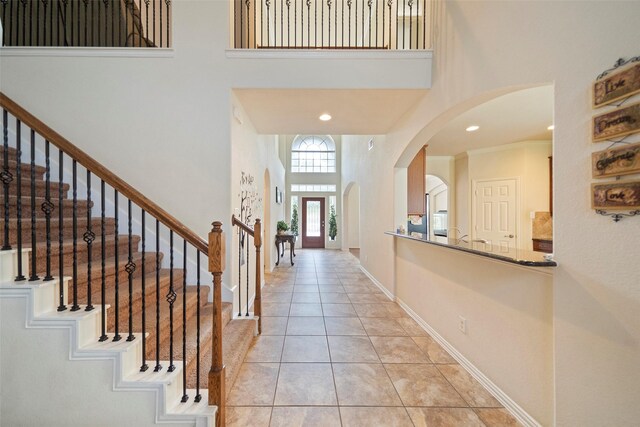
(321, 240)
(474, 187)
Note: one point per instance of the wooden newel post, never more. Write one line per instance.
(216, 374)
(257, 303)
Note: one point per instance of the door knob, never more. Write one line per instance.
(511, 236)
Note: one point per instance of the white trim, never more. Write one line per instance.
(327, 54)
(384, 290)
(516, 410)
(92, 52)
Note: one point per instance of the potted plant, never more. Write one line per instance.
(294, 220)
(282, 226)
(333, 225)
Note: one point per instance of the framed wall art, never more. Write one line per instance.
(621, 160)
(616, 195)
(616, 86)
(621, 122)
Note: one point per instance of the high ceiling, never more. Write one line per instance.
(519, 116)
(354, 112)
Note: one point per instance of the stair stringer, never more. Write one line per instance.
(40, 300)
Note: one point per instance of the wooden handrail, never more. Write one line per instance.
(242, 225)
(103, 173)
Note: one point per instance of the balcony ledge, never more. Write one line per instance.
(303, 53)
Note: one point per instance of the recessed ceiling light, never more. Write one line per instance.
(325, 117)
(551, 127)
(473, 128)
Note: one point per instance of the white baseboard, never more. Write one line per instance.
(516, 410)
(375, 281)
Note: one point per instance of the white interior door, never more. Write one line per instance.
(495, 214)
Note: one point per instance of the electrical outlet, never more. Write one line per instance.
(462, 324)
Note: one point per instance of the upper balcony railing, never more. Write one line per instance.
(86, 23)
(332, 24)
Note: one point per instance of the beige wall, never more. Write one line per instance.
(354, 217)
(528, 162)
(485, 49)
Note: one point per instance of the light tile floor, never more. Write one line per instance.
(335, 351)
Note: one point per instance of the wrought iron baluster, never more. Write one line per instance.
(47, 207)
(168, 3)
(4, 21)
(329, 26)
(390, 3)
(106, 23)
(171, 299)
(75, 305)
(160, 19)
(384, 25)
(255, 36)
(103, 248)
(349, 5)
(281, 24)
(235, 22)
(198, 397)
(369, 3)
(7, 177)
(146, 3)
(144, 366)
(309, 23)
(410, 23)
(288, 3)
(268, 3)
(158, 365)
(130, 268)
(275, 23)
(62, 306)
(86, 28)
(185, 397)
(239, 272)
(424, 24)
(116, 336)
(247, 309)
(154, 23)
(20, 277)
(37, 23)
(34, 274)
(355, 23)
(295, 22)
(89, 236)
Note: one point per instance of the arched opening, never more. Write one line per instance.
(266, 221)
(351, 218)
(494, 154)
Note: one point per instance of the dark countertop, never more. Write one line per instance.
(514, 256)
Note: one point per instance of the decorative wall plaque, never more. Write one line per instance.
(619, 85)
(623, 121)
(616, 195)
(621, 160)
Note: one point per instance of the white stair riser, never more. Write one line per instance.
(9, 264)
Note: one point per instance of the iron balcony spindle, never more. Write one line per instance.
(198, 397)
(160, 24)
(106, 21)
(20, 277)
(62, 306)
(158, 365)
(89, 236)
(247, 297)
(349, 5)
(168, 3)
(86, 4)
(34, 274)
(185, 396)
(47, 207)
(144, 365)
(75, 305)
(7, 177)
(103, 249)
(126, 22)
(116, 336)
(4, 19)
(146, 3)
(171, 299)
(239, 272)
(130, 268)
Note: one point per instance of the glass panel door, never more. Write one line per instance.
(313, 222)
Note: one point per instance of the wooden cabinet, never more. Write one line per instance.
(545, 246)
(416, 184)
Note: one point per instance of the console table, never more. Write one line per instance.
(280, 241)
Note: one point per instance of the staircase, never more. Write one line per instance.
(178, 330)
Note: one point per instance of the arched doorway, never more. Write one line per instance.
(351, 217)
(266, 221)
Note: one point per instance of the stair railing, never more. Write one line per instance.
(76, 223)
(256, 233)
(217, 390)
(86, 23)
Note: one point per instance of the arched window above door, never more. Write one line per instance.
(313, 154)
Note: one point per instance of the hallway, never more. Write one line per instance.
(336, 351)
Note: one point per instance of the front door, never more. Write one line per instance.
(495, 213)
(313, 222)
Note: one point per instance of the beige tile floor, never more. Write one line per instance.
(335, 351)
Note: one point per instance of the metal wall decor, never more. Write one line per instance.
(614, 87)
